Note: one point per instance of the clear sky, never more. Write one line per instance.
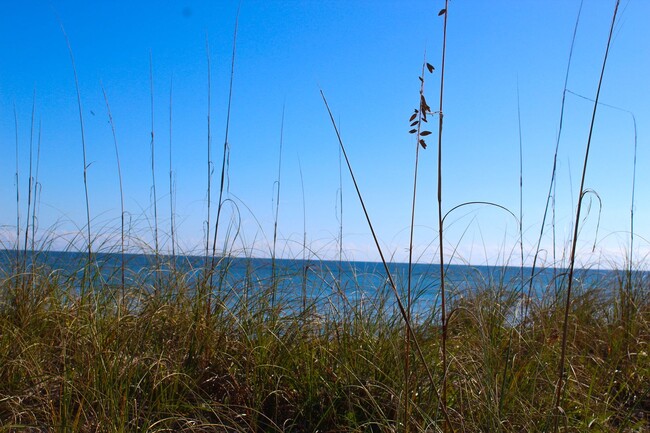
(366, 56)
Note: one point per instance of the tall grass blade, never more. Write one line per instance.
(209, 160)
(17, 179)
(305, 265)
(226, 149)
(172, 197)
(443, 297)
(632, 205)
(422, 111)
(389, 276)
(30, 185)
(153, 166)
(119, 177)
(574, 243)
(274, 281)
(521, 192)
(83, 151)
(37, 188)
(551, 191)
(339, 217)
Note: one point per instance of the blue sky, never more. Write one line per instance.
(366, 56)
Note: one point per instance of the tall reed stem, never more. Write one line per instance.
(630, 264)
(274, 281)
(559, 386)
(30, 185)
(389, 276)
(83, 151)
(172, 222)
(512, 330)
(339, 281)
(305, 265)
(206, 270)
(119, 177)
(226, 153)
(37, 187)
(421, 116)
(153, 166)
(443, 307)
(521, 193)
(17, 177)
(551, 187)
(631, 249)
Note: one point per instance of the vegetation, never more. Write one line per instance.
(106, 361)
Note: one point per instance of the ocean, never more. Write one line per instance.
(308, 282)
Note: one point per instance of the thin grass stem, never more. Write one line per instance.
(119, 177)
(574, 243)
(226, 151)
(389, 276)
(30, 185)
(421, 116)
(274, 281)
(305, 265)
(209, 159)
(551, 187)
(153, 165)
(633, 117)
(37, 187)
(17, 179)
(443, 297)
(172, 213)
(521, 192)
(83, 151)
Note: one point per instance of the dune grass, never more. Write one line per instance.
(155, 363)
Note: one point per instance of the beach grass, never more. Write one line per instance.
(154, 362)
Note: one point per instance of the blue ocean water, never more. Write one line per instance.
(308, 281)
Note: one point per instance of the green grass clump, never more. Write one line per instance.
(154, 360)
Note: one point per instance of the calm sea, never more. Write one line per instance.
(310, 279)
